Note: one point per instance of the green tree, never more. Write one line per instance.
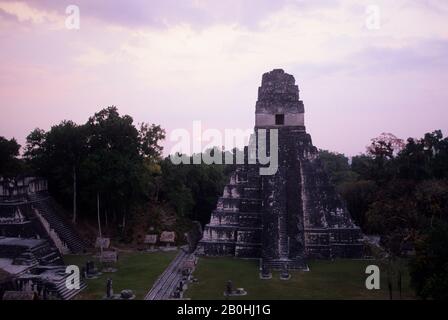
(337, 167)
(431, 198)
(193, 189)
(115, 165)
(57, 155)
(363, 166)
(359, 195)
(429, 268)
(10, 165)
(108, 156)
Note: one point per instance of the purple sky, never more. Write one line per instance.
(173, 62)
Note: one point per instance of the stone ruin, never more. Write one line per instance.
(292, 215)
(33, 238)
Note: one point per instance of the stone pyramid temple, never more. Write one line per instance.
(294, 214)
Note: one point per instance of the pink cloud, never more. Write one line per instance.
(355, 84)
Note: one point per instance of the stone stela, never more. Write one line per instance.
(109, 257)
(102, 243)
(291, 215)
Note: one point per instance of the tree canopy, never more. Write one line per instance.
(400, 192)
(10, 164)
(108, 156)
(122, 162)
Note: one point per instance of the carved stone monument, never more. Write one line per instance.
(102, 242)
(231, 292)
(127, 295)
(229, 287)
(91, 272)
(285, 275)
(109, 289)
(265, 274)
(109, 259)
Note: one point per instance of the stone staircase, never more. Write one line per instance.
(43, 203)
(168, 281)
(54, 278)
(44, 255)
(68, 294)
(50, 258)
(26, 258)
(283, 237)
(281, 264)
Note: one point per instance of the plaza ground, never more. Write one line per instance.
(136, 271)
(339, 279)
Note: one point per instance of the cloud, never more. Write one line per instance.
(175, 61)
(26, 13)
(320, 35)
(166, 13)
(425, 56)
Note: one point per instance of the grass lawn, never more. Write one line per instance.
(136, 271)
(340, 279)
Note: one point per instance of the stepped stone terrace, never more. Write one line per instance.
(294, 214)
(33, 237)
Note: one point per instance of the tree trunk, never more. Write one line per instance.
(124, 223)
(74, 194)
(389, 286)
(99, 224)
(157, 192)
